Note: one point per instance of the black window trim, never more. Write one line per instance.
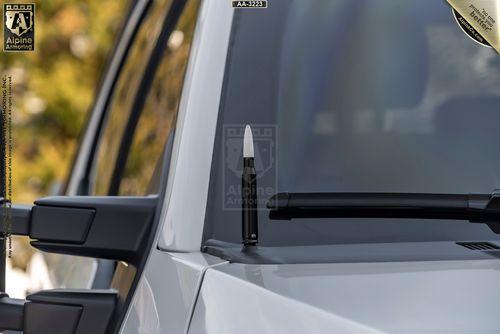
(113, 54)
(169, 24)
(84, 183)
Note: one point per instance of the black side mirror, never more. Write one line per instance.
(108, 227)
(102, 227)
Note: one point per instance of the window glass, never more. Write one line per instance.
(158, 116)
(53, 91)
(364, 96)
(123, 97)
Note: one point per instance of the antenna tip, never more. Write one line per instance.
(248, 143)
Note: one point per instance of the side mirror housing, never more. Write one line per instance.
(109, 227)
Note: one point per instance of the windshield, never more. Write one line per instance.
(355, 96)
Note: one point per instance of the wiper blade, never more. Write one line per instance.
(476, 208)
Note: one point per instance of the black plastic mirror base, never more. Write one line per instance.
(51, 318)
(59, 312)
(11, 313)
(97, 307)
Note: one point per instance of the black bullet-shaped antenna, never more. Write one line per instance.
(249, 192)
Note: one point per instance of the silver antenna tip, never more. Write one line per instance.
(248, 143)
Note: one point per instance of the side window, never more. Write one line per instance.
(53, 89)
(122, 100)
(156, 123)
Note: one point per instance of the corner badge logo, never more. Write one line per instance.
(19, 27)
(479, 19)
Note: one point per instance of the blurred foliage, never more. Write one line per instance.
(160, 108)
(54, 88)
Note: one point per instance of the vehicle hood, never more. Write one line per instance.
(386, 297)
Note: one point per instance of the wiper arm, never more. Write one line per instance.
(476, 208)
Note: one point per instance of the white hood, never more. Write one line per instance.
(393, 297)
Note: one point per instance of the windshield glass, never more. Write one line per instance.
(355, 96)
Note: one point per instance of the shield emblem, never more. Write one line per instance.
(264, 140)
(19, 21)
(264, 147)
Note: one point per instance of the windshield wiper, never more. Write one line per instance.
(476, 208)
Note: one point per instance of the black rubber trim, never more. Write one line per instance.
(346, 253)
(140, 99)
(84, 184)
(106, 66)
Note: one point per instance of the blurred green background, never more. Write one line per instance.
(53, 91)
(54, 88)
